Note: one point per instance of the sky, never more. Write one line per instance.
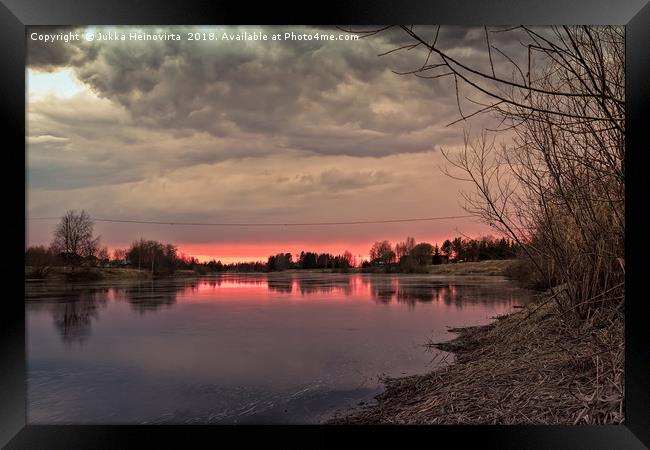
(245, 131)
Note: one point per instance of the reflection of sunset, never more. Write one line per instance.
(259, 288)
(273, 333)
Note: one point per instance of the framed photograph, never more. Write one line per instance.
(263, 224)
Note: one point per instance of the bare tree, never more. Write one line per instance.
(404, 248)
(557, 186)
(103, 255)
(74, 236)
(119, 254)
(382, 251)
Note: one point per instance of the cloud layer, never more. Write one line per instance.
(243, 131)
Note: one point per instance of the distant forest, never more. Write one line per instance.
(75, 245)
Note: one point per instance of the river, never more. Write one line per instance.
(240, 348)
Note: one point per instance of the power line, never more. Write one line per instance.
(267, 224)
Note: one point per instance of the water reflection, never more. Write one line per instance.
(254, 348)
(282, 285)
(325, 285)
(412, 295)
(152, 296)
(411, 291)
(73, 318)
(75, 307)
(459, 294)
(383, 289)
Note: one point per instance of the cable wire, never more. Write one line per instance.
(267, 224)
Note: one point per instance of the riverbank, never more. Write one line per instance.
(99, 273)
(530, 367)
(58, 273)
(496, 267)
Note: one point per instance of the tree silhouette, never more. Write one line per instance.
(73, 237)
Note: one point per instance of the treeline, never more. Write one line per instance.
(407, 254)
(218, 266)
(154, 256)
(285, 261)
(310, 260)
(482, 249)
(75, 245)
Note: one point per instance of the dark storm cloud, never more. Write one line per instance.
(49, 57)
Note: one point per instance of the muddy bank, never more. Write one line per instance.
(533, 366)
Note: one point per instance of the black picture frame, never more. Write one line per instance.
(15, 15)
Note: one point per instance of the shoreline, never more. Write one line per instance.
(526, 367)
(85, 274)
(61, 273)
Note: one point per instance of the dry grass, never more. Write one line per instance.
(62, 273)
(491, 267)
(529, 367)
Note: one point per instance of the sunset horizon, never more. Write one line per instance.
(229, 253)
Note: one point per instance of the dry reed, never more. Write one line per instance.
(534, 366)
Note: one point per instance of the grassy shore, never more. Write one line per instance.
(530, 367)
(493, 267)
(98, 274)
